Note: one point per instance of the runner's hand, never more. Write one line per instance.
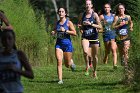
(62, 29)
(122, 23)
(131, 29)
(53, 33)
(86, 23)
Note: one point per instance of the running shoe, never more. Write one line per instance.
(90, 64)
(73, 67)
(95, 75)
(60, 82)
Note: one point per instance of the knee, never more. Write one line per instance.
(95, 57)
(59, 62)
(67, 64)
(114, 50)
(85, 53)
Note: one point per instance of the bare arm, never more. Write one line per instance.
(101, 17)
(71, 30)
(80, 23)
(5, 20)
(117, 25)
(54, 30)
(27, 72)
(98, 25)
(130, 24)
(114, 25)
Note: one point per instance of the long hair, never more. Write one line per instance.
(3, 36)
(65, 9)
(103, 10)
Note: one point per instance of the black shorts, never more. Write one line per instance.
(121, 41)
(94, 42)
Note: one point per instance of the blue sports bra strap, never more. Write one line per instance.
(66, 22)
(58, 22)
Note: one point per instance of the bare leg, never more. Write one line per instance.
(125, 49)
(90, 57)
(95, 48)
(107, 51)
(85, 45)
(114, 52)
(68, 59)
(59, 57)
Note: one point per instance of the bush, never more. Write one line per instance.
(30, 35)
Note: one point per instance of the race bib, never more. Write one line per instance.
(123, 32)
(107, 28)
(60, 35)
(88, 32)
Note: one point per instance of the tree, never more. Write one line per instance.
(132, 7)
(55, 6)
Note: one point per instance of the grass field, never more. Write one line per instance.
(109, 81)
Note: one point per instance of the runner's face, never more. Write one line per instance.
(88, 5)
(61, 13)
(8, 40)
(107, 8)
(121, 9)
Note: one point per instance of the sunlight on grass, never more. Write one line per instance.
(45, 81)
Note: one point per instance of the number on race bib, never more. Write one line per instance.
(60, 35)
(123, 32)
(88, 32)
(107, 28)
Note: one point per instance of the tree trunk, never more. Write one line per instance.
(55, 6)
(67, 5)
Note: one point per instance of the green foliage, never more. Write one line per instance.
(134, 66)
(39, 45)
(132, 7)
(31, 36)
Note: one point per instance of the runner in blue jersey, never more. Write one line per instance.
(109, 34)
(89, 23)
(13, 64)
(123, 26)
(63, 48)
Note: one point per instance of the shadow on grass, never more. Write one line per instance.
(98, 86)
(41, 81)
